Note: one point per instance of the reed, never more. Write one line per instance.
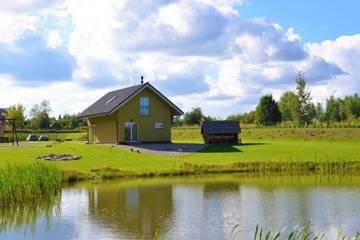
(296, 233)
(22, 183)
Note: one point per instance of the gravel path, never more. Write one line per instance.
(166, 149)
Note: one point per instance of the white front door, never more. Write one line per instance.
(131, 132)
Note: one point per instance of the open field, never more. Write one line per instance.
(261, 150)
(192, 134)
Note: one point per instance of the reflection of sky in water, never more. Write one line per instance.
(204, 210)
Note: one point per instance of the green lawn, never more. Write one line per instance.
(251, 150)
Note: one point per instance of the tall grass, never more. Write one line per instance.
(297, 233)
(22, 183)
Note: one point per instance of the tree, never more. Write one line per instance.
(177, 120)
(289, 106)
(40, 118)
(246, 118)
(17, 112)
(333, 109)
(305, 107)
(351, 107)
(267, 111)
(319, 112)
(69, 121)
(194, 116)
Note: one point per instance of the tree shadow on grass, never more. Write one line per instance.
(228, 148)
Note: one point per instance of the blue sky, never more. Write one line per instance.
(314, 20)
(221, 55)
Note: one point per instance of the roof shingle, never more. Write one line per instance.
(220, 127)
(112, 100)
(109, 101)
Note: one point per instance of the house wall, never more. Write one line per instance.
(130, 112)
(159, 112)
(105, 129)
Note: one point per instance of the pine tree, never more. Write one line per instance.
(267, 111)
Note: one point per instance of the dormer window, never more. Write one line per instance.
(144, 106)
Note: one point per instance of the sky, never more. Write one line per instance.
(220, 55)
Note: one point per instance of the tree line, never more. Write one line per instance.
(39, 118)
(295, 107)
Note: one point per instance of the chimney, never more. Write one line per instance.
(142, 79)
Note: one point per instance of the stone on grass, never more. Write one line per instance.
(61, 157)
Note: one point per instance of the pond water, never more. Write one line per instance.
(191, 208)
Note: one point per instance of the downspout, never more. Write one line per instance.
(117, 128)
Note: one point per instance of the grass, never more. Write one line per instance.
(262, 150)
(22, 183)
(191, 134)
(63, 136)
(297, 233)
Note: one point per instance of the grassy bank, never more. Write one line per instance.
(254, 155)
(23, 183)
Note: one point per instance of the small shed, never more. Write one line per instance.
(220, 132)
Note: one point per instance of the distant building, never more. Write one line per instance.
(134, 114)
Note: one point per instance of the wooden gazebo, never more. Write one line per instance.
(220, 132)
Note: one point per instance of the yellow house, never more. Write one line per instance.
(135, 114)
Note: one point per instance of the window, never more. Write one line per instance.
(159, 125)
(144, 106)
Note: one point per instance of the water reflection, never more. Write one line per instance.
(200, 208)
(19, 215)
(139, 212)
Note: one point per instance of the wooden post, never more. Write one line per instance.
(13, 133)
(16, 136)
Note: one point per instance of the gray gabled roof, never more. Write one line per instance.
(218, 127)
(112, 101)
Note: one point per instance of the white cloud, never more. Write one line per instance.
(54, 39)
(198, 52)
(26, 6)
(65, 97)
(344, 52)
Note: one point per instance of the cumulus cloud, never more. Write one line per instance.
(26, 6)
(31, 62)
(197, 52)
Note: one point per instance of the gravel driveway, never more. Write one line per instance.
(167, 149)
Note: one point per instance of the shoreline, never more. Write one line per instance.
(271, 168)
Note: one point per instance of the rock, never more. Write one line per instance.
(61, 157)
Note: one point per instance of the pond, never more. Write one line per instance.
(206, 207)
